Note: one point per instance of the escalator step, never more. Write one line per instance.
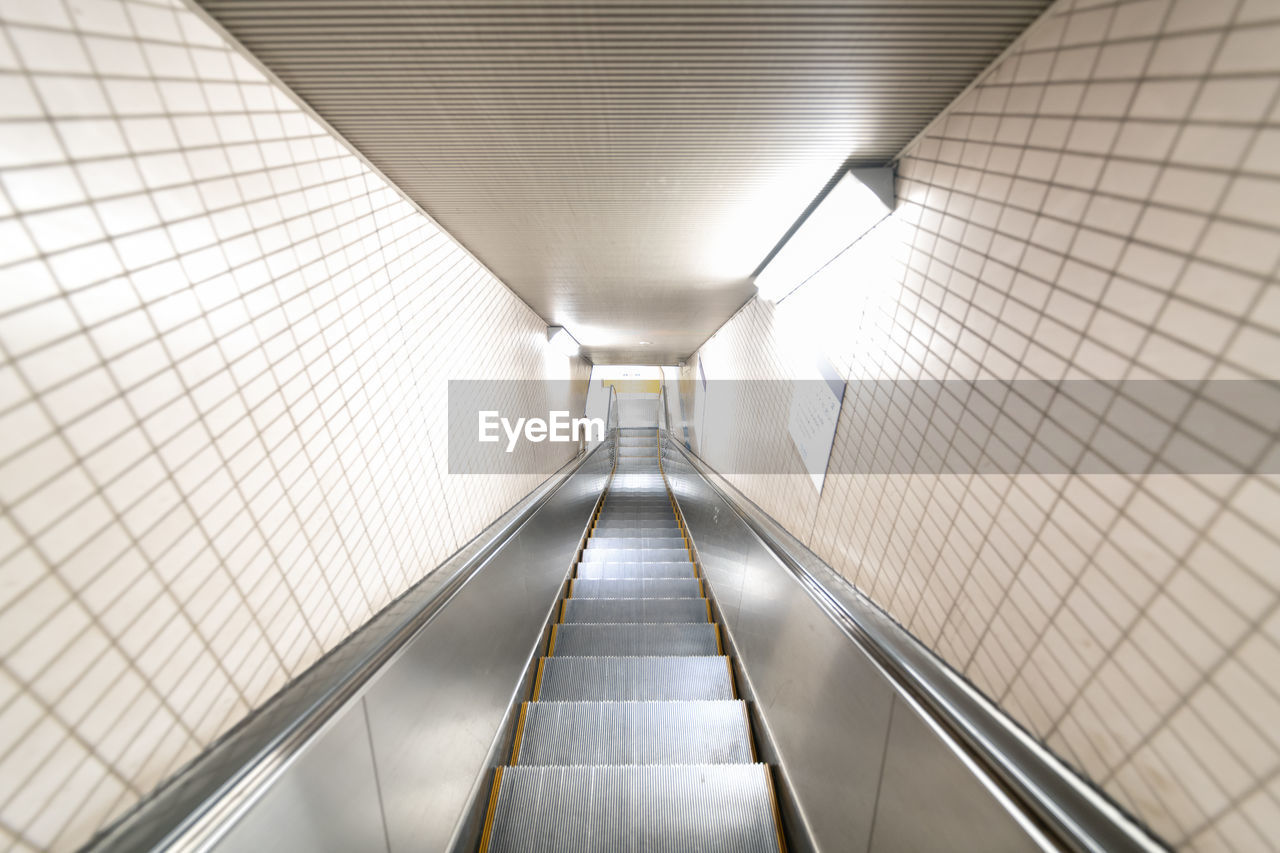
(717, 807)
(637, 610)
(634, 733)
(627, 639)
(609, 519)
(627, 679)
(661, 508)
(682, 569)
(624, 509)
(624, 542)
(636, 588)
(634, 555)
(631, 531)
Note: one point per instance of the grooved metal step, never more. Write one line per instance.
(684, 569)
(634, 555)
(625, 679)
(634, 733)
(665, 510)
(708, 807)
(626, 639)
(637, 610)
(597, 542)
(666, 520)
(632, 531)
(635, 588)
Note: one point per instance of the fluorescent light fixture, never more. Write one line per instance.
(859, 200)
(561, 339)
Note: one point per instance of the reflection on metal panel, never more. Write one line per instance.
(326, 800)
(435, 712)
(825, 706)
(923, 803)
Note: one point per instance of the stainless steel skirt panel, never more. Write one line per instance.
(435, 713)
(397, 768)
(826, 707)
(326, 800)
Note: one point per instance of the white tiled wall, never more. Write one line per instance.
(1104, 203)
(224, 343)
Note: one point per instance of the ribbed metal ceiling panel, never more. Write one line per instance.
(624, 166)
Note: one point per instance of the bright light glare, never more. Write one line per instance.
(562, 340)
(851, 209)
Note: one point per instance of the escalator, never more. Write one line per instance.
(634, 657)
(634, 736)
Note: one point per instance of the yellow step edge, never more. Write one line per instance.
(746, 718)
(515, 747)
(493, 807)
(719, 643)
(777, 814)
(733, 683)
(552, 650)
(707, 602)
(537, 680)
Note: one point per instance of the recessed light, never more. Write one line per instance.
(855, 205)
(646, 343)
(560, 339)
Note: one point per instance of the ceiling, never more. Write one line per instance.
(624, 165)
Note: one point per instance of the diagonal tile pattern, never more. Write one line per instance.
(224, 345)
(1101, 204)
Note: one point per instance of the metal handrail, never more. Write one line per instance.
(218, 785)
(1075, 812)
(662, 403)
(611, 417)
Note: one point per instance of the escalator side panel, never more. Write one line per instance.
(826, 705)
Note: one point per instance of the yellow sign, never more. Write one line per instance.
(632, 386)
